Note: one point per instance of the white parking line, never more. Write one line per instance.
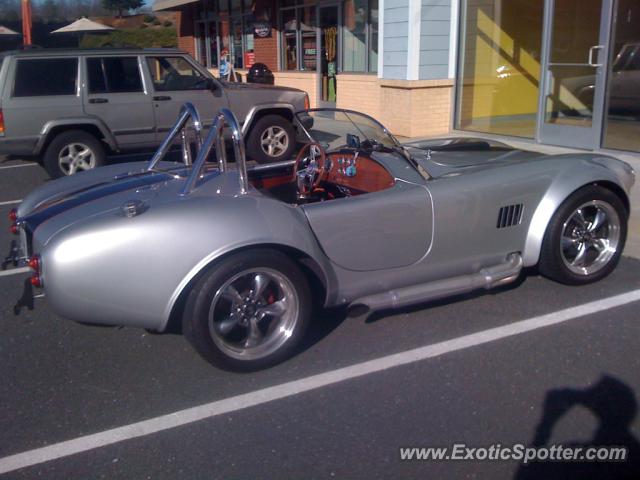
(14, 271)
(3, 167)
(10, 202)
(258, 397)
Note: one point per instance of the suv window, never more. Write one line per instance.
(175, 73)
(114, 75)
(45, 76)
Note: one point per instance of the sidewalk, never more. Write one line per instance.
(632, 248)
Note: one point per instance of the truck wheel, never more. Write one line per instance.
(585, 237)
(272, 139)
(73, 151)
(249, 311)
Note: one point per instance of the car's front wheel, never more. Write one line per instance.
(249, 311)
(73, 151)
(271, 139)
(585, 237)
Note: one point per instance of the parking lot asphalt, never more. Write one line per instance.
(62, 381)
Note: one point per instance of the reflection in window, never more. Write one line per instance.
(289, 39)
(622, 130)
(373, 36)
(227, 27)
(359, 45)
(354, 36)
(499, 72)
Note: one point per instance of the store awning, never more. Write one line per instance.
(7, 31)
(83, 25)
(160, 5)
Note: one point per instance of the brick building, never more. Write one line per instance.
(563, 72)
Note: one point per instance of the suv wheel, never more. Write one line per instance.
(272, 139)
(73, 151)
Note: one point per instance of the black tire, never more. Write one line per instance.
(201, 298)
(259, 129)
(554, 265)
(65, 139)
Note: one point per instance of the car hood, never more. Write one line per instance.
(258, 87)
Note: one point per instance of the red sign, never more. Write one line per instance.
(249, 59)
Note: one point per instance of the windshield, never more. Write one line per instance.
(335, 129)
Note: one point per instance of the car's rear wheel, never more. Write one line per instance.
(73, 151)
(271, 139)
(585, 237)
(249, 311)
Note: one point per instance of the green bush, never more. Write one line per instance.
(167, 23)
(144, 25)
(157, 22)
(149, 18)
(133, 37)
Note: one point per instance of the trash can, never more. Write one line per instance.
(260, 73)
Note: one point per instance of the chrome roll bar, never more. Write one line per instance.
(224, 118)
(188, 112)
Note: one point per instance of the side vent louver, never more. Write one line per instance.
(510, 215)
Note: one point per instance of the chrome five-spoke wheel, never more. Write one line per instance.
(248, 311)
(590, 237)
(76, 157)
(585, 237)
(274, 141)
(253, 313)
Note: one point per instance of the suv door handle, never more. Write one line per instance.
(161, 98)
(98, 100)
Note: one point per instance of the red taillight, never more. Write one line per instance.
(307, 104)
(14, 229)
(13, 215)
(34, 263)
(1, 123)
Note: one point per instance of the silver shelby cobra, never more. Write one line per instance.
(237, 255)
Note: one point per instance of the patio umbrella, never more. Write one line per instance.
(84, 25)
(7, 31)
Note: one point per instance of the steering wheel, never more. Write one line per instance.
(309, 178)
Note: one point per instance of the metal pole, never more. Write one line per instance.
(26, 22)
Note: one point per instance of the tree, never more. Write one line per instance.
(121, 5)
(49, 11)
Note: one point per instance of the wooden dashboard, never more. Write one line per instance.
(368, 176)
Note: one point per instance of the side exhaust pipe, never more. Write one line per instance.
(486, 278)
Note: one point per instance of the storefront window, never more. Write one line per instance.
(201, 44)
(622, 130)
(213, 44)
(308, 36)
(299, 37)
(354, 36)
(499, 74)
(289, 39)
(373, 36)
(237, 54)
(227, 27)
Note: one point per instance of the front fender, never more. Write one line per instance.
(583, 171)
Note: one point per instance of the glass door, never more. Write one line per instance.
(574, 66)
(329, 41)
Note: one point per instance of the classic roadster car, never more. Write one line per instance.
(237, 256)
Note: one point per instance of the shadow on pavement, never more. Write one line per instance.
(614, 405)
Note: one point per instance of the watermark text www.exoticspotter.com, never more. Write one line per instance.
(518, 452)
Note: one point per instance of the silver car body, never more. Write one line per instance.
(437, 234)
